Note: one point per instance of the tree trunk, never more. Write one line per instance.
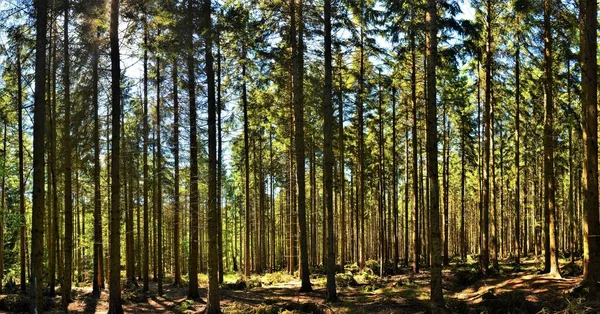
(159, 175)
(146, 267)
(432, 162)
(589, 78)
(98, 282)
(415, 149)
(115, 213)
(176, 201)
(213, 219)
(328, 159)
(517, 152)
(299, 145)
(193, 258)
(487, 145)
(39, 121)
(551, 254)
(68, 195)
(246, 174)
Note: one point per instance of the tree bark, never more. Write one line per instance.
(328, 159)
(68, 195)
(432, 162)
(551, 254)
(115, 213)
(193, 257)
(589, 79)
(39, 121)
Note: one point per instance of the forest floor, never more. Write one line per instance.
(511, 289)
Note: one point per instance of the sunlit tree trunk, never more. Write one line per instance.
(589, 79)
(551, 253)
(432, 159)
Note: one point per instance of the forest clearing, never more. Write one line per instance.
(299, 156)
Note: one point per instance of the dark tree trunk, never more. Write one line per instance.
(115, 213)
(146, 267)
(68, 195)
(193, 257)
(176, 201)
(213, 219)
(39, 121)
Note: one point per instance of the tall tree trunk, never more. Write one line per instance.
(115, 213)
(213, 219)
(3, 202)
(517, 152)
(487, 144)
(299, 145)
(159, 175)
(193, 257)
(381, 182)
(445, 181)
(98, 282)
(328, 159)
(415, 149)
(68, 195)
(176, 201)
(22, 225)
(551, 254)
(146, 267)
(406, 191)
(432, 159)
(39, 121)
(589, 79)
(361, 143)
(463, 237)
(247, 174)
(396, 255)
(220, 162)
(343, 239)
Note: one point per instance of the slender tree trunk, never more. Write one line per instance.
(415, 175)
(176, 201)
(159, 175)
(299, 143)
(328, 155)
(213, 219)
(220, 162)
(361, 145)
(445, 182)
(39, 117)
(406, 193)
(343, 239)
(247, 174)
(68, 195)
(487, 144)
(589, 78)
(551, 253)
(98, 282)
(193, 257)
(22, 225)
(396, 255)
(517, 152)
(146, 266)
(3, 201)
(115, 213)
(432, 162)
